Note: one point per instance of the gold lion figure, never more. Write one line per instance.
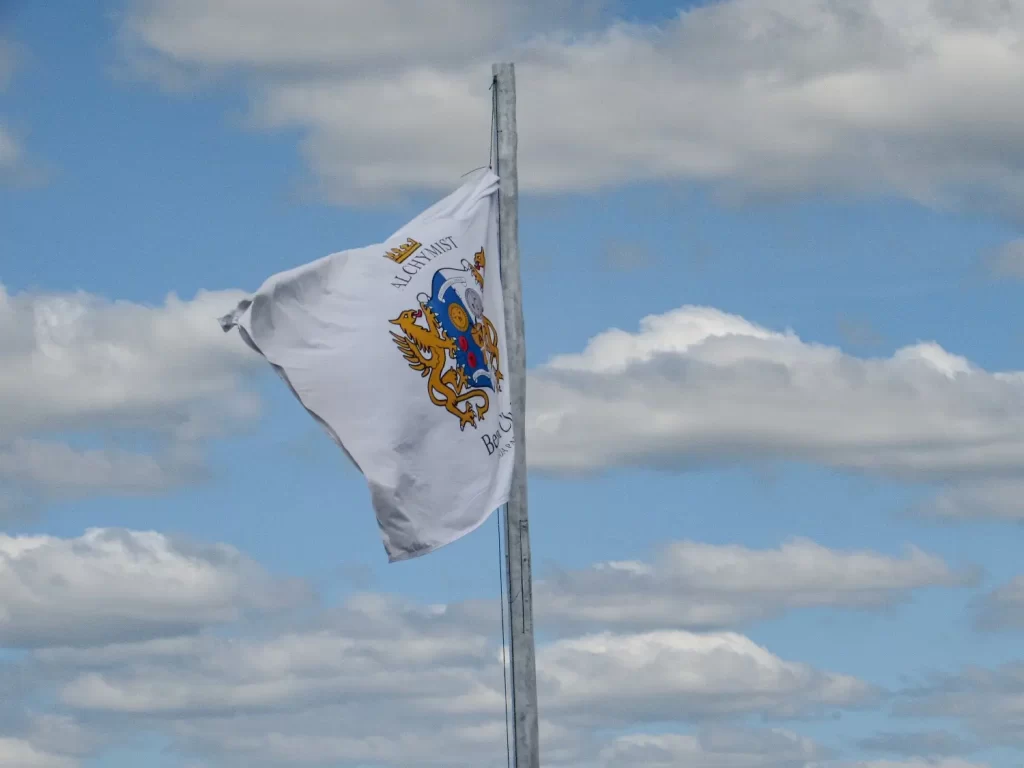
(486, 337)
(427, 350)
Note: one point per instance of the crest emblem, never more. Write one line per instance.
(452, 343)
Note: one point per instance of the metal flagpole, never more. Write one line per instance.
(517, 531)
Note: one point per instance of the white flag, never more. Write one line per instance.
(398, 350)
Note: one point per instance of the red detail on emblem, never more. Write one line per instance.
(463, 344)
(418, 313)
(471, 359)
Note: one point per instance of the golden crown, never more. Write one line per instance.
(402, 252)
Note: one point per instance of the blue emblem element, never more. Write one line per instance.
(457, 302)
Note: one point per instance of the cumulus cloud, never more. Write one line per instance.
(1003, 607)
(1008, 261)
(168, 368)
(332, 696)
(376, 648)
(697, 385)
(328, 690)
(11, 155)
(55, 470)
(113, 585)
(19, 753)
(7, 62)
(696, 585)
(938, 743)
(692, 386)
(714, 747)
(752, 96)
(78, 363)
(617, 679)
(15, 165)
(28, 740)
(999, 499)
(115, 621)
(986, 700)
(325, 35)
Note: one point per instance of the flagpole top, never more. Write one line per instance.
(500, 68)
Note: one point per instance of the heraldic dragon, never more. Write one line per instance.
(445, 339)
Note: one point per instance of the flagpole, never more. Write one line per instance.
(517, 530)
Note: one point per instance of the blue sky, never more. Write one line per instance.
(708, 168)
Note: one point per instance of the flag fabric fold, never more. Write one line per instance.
(397, 350)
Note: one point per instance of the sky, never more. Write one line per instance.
(772, 262)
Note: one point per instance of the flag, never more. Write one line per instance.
(398, 351)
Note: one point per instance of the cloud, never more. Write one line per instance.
(113, 585)
(325, 36)
(696, 585)
(18, 753)
(314, 739)
(46, 741)
(621, 256)
(1003, 607)
(166, 368)
(57, 471)
(754, 97)
(329, 689)
(692, 386)
(15, 165)
(611, 679)
(11, 154)
(942, 743)
(116, 621)
(376, 650)
(715, 747)
(1008, 261)
(8, 60)
(998, 499)
(986, 700)
(696, 386)
(333, 696)
(167, 372)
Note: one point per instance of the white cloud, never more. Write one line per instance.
(7, 62)
(315, 739)
(15, 166)
(58, 471)
(30, 740)
(18, 753)
(915, 762)
(168, 368)
(327, 688)
(1003, 607)
(986, 700)
(78, 363)
(696, 385)
(753, 96)
(692, 386)
(1008, 261)
(329, 692)
(110, 585)
(712, 748)
(998, 499)
(696, 585)
(619, 679)
(916, 743)
(330, 35)
(375, 647)
(11, 154)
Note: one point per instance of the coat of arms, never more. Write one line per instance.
(452, 343)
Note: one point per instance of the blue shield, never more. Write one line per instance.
(458, 306)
